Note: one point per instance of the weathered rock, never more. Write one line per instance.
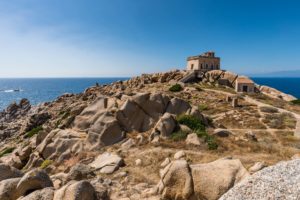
(165, 126)
(35, 179)
(178, 106)
(256, 167)
(138, 162)
(59, 143)
(179, 155)
(7, 172)
(193, 139)
(128, 144)
(272, 92)
(76, 191)
(211, 180)
(176, 181)
(165, 162)
(222, 132)
(79, 172)
(281, 181)
(107, 163)
(35, 120)
(8, 189)
(34, 161)
(43, 194)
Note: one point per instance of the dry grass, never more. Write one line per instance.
(280, 121)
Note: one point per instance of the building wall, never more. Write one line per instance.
(204, 64)
(239, 87)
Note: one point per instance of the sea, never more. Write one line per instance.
(39, 90)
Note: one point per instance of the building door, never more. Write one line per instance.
(245, 88)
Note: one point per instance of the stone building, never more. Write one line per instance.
(204, 62)
(244, 84)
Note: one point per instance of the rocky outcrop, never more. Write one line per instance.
(33, 180)
(179, 180)
(281, 181)
(272, 92)
(107, 163)
(8, 189)
(60, 144)
(43, 194)
(7, 172)
(76, 191)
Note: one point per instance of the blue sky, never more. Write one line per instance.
(90, 38)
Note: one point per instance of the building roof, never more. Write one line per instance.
(244, 79)
(209, 54)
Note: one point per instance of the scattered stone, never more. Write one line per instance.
(193, 139)
(257, 167)
(138, 162)
(79, 172)
(165, 162)
(107, 163)
(179, 155)
(222, 132)
(128, 144)
(165, 126)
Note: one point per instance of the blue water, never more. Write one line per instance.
(287, 85)
(39, 90)
(48, 89)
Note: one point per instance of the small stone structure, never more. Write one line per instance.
(244, 84)
(204, 62)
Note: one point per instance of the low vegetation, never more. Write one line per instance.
(33, 131)
(176, 88)
(6, 151)
(46, 163)
(199, 128)
(203, 107)
(280, 121)
(268, 109)
(179, 135)
(296, 102)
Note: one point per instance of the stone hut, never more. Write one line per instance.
(244, 84)
(204, 62)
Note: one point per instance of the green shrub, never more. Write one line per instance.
(268, 109)
(179, 135)
(190, 121)
(33, 131)
(176, 88)
(202, 107)
(46, 163)
(296, 102)
(199, 128)
(7, 151)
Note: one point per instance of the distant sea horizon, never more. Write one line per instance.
(39, 90)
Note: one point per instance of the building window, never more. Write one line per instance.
(206, 66)
(192, 66)
(212, 66)
(201, 66)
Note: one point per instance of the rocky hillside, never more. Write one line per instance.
(151, 137)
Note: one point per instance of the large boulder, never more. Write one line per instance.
(107, 163)
(59, 144)
(176, 181)
(8, 189)
(281, 181)
(211, 180)
(272, 92)
(35, 179)
(165, 126)
(43, 194)
(179, 180)
(79, 172)
(76, 191)
(7, 172)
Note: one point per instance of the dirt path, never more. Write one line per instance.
(260, 104)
